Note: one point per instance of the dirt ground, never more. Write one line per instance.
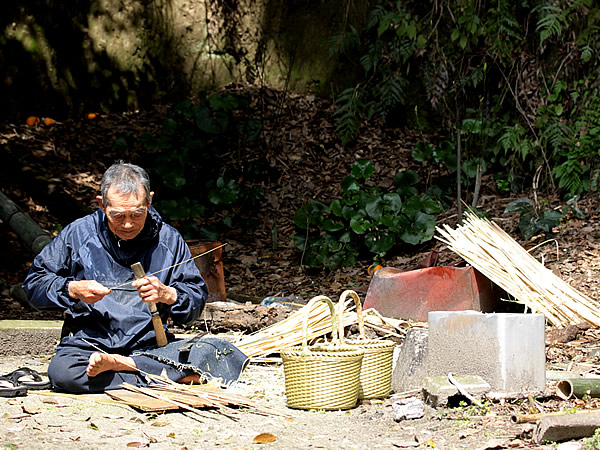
(75, 422)
(60, 421)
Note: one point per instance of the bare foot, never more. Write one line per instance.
(191, 379)
(102, 362)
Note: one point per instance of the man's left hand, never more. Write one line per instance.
(151, 289)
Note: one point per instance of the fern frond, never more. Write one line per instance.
(475, 77)
(570, 175)
(402, 51)
(551, 22)
(391, 92)
(344, 42)
(350, 113)
(555, 134)
(513, 140)
(370, 60)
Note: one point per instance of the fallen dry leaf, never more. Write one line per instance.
(160, 424)
(264, 438)
(30, 410)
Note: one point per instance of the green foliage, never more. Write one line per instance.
(578, 146)
(386, 87)
(350, 112)
(225, 192)
(517, 79)
(533, 221)
(466, 410)
(365, 219)
(183, 161)
(530, 221)
(593, 442)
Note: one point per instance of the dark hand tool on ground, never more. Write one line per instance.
(161, 337)
(184, 349)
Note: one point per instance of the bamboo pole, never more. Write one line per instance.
(578, 387)
(22, 224)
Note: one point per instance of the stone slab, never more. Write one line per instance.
(438, 390)
(410, 360)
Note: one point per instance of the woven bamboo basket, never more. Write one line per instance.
(376, 369)
(324, 376)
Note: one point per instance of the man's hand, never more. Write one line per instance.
(151, 289)
(88, 291)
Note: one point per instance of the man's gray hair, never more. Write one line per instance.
(125, 178)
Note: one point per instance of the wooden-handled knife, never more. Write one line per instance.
(161, 337)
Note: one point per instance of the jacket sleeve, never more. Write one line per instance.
(46, 283)
(190, 286)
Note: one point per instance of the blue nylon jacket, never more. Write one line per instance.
(87, 250)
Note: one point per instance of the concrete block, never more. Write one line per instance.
(410, 361)
(438, 390)
(506, 349)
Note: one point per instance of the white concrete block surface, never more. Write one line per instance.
(506, 349)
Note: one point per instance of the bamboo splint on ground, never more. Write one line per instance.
(192, 398)
(489, 249)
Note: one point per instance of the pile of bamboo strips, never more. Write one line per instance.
(288, 332)
(489, 249)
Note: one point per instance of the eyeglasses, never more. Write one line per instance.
(118, 216)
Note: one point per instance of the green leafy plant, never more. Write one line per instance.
(533, 221)
(466, 410)
(365, 219)
(578, 148)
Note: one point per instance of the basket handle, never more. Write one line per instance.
(359, 313)
(308, 308)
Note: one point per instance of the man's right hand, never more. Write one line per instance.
(88, 291)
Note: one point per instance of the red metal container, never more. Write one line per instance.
(211, 268)
(412, 294)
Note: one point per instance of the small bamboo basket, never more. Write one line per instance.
(324, 376)
(376, 369)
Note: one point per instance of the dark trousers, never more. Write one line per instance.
(67, 372)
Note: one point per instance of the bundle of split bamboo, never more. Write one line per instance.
(489, 249)
(288, 332)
